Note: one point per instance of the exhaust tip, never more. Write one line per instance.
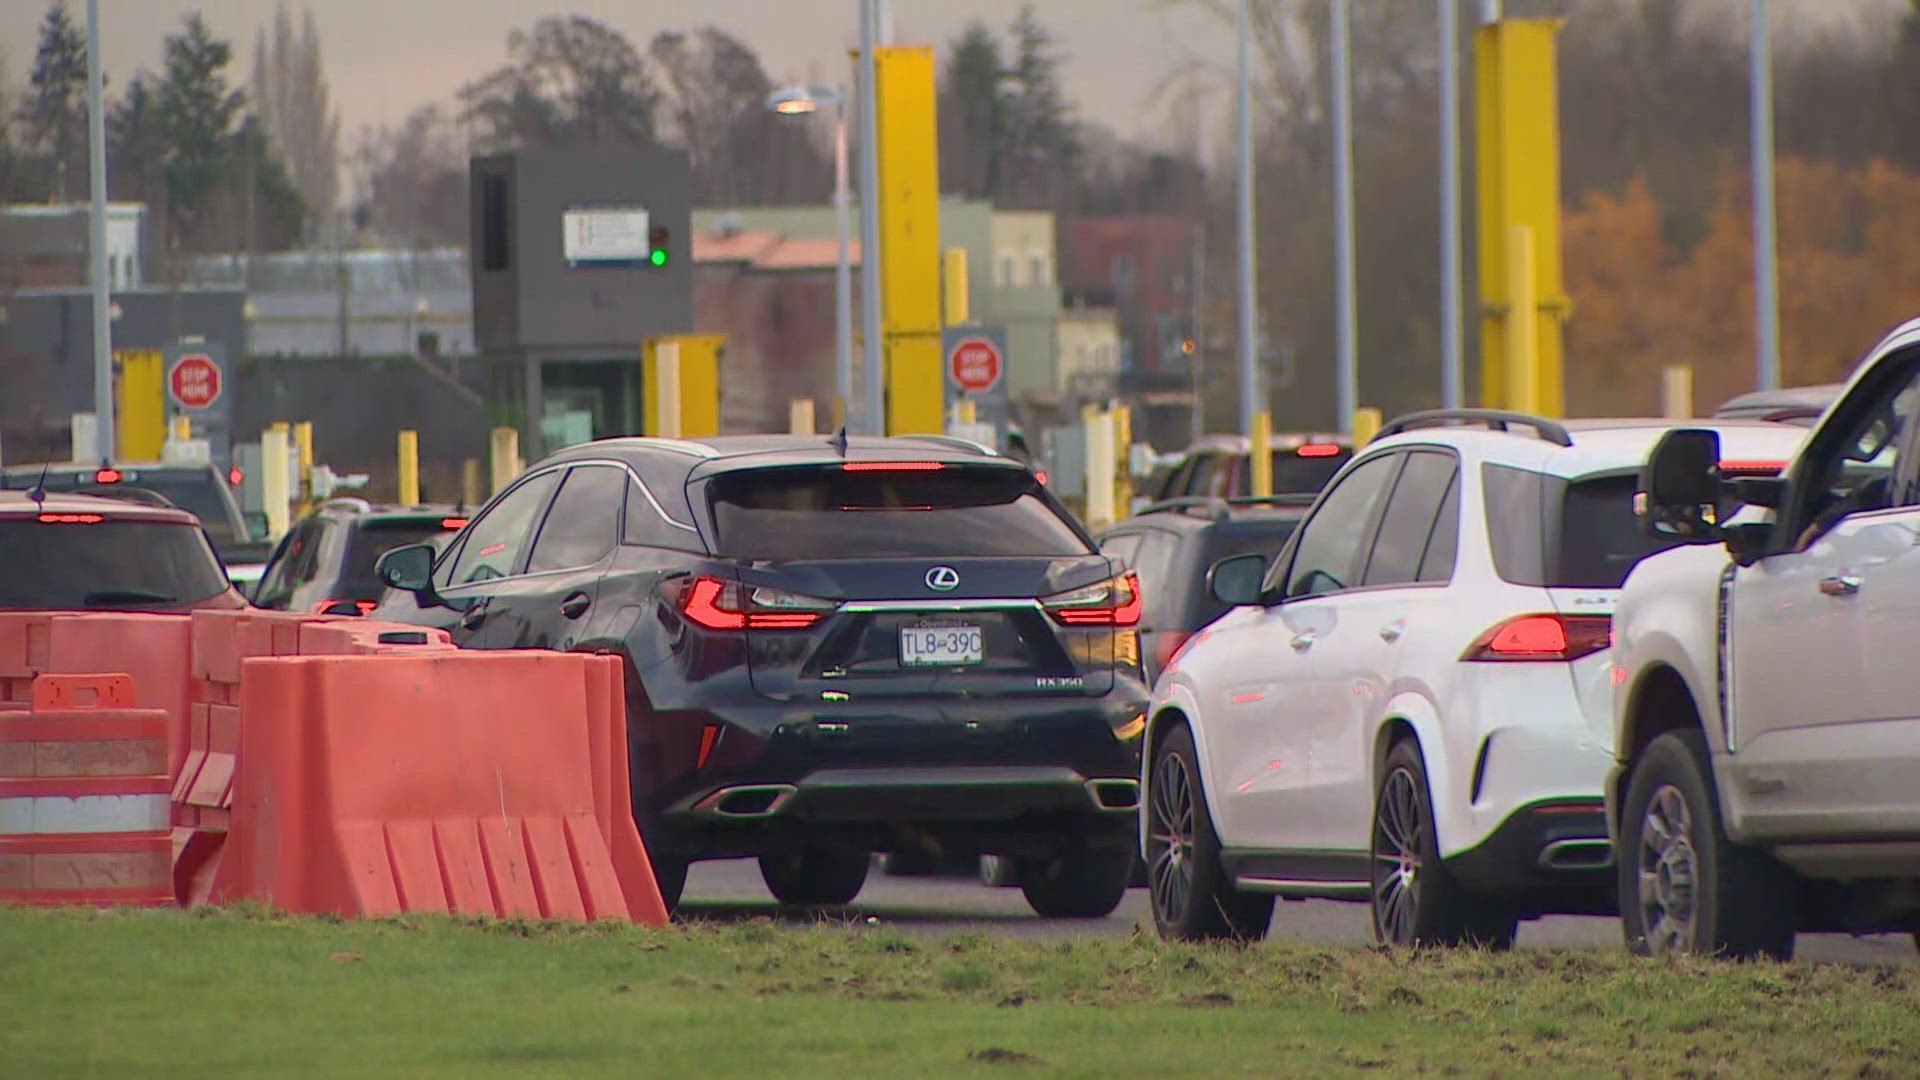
(1584, 854)
(748, 801)
(1115, 794)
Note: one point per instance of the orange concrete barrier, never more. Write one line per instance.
(83, 796)
(468, 782)
(151, 648)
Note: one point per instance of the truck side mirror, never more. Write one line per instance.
(1680, 488)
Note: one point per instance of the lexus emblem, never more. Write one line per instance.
(943, 579)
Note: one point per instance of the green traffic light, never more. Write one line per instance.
(658, 257)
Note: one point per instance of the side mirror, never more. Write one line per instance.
(1235, 582)
(409, 569)
(256, 524)
(1680, 488)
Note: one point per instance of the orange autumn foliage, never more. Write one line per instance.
(1849, 271)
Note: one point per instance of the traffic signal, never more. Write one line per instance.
(657, 245)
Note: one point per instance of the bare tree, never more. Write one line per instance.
(715, 106)
(290, 94)
(413, 181)
(572, 81)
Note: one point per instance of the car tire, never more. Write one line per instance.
(1684, 886)
(814, 878)
(999, 872)
(1414, 900)
(1082, 883)
(1192, 897)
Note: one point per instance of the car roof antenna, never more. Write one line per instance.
(839, 440)
(39, 492)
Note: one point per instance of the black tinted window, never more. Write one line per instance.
(1443, 546)
(1579, 535)
(584, 524)
(1122, 549)
(1332, 550)
(1408, 521)
(492, 546)
(828, 513)
(1262, 535)
(647, 528)
(296, 563)
(372, 540)
(108, 565)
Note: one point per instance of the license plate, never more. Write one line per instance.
(940, 646)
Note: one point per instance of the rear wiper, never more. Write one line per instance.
(125, 596)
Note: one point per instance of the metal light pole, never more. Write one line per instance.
(1250, 403)
(1346, 381)
(1451, 393)
(870, 254)
(102, 302)
(1766, 279)
(801, 102)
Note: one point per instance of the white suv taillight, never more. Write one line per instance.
(1549, 638)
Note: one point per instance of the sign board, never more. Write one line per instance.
(606, 237)
(974, 364)
(193, 380)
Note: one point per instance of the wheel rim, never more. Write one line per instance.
(1669, 874)
(1170, 839)
(1398, 824)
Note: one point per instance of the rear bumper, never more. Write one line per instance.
(928, 796)
(1554, 857)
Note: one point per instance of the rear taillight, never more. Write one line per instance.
(235, 476)
(107, 476)
(726, 605)
(1110, 603)
(1552, 638)
(71, 519)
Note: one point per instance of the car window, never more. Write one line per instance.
(295, 564)
(97, 565)
(1122, 548)
(1209, 478)
(815, 512)
(584, 524)
(1407, 522)
(1155, 562)
(1443, 546)
(1331, 545)
(646, 528)
(372, 539)
(1854, 469)
(495, 542)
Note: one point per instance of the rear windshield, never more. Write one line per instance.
(828, 513)
(372, 540)
(1263, 536)
(1586, 536)
(1297, 475)
(108, 565)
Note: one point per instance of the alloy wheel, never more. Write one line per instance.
(1398, 824)
(1668, 872)
(1170, 839)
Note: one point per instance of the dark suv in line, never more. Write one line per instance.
(325, 562)
(835, 648)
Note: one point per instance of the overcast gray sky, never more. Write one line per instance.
(386, 57)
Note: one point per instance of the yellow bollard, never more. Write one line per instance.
(1122, 475)
(1262, 459)
(1366, 424)
(470, 496)
(800, 416)
(505, 453)
(181, 427)
(966, 412)
(409, 468)
(303, 458)
(275, 496)
(1676, 392)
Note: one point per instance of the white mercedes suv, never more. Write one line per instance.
(1411, 704)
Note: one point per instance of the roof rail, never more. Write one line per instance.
(1291, 499)
(1496, 419)
(1793, 412)
(957, 443)
(349, 502)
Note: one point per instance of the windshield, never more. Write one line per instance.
(372, 540)
(107, 565)
(825, 512)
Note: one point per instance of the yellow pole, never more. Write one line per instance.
(1523, 367)
(1366, 424)
(141, 408)
(959, 307)
(470, 496)
(504, 451)
(410, 468)
(1262, 458)
(1677, 393)
(1122, 475)
(909, 207)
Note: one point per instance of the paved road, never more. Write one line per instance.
(940, 906)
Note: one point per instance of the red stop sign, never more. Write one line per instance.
(974, 365)
(194, 381)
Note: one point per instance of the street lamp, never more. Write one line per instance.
(805, 101)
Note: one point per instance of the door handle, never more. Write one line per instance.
(1840, 585)
(1392, 631)
(1303, 641)
(474, 616)
(575, 606)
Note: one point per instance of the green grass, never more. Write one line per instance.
(243, 993)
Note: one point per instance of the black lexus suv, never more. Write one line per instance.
(835, 647)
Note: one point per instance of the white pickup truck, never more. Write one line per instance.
(1767, 684)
